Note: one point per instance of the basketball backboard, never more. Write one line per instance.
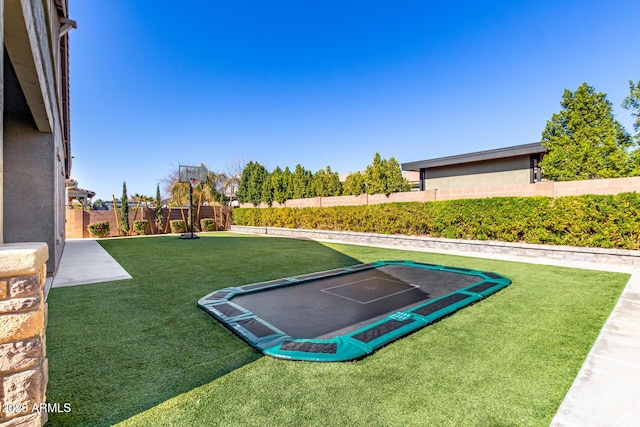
(189, 173)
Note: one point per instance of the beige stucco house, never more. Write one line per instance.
(35, 144)
(503, 166)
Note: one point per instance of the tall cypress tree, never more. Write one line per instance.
(287, 183)
(267, 189)
(158, 216)
(124, 210)
(278, 185)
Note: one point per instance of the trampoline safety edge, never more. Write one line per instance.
(372, 286)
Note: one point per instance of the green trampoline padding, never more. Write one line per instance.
(346, 313)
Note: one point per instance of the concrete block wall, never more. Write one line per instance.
(597, 186)
(544, 188)
(311, 202)
(362, 199)
(23, 320)
(409, 196)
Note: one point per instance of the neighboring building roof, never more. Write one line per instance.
(479, 156)
(73, 191)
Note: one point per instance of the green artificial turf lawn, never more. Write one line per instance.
(142, 353)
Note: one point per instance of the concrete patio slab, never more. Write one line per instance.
(84, 262)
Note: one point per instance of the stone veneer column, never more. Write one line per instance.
(23, 320)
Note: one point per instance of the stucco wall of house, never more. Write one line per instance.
(33, 187)
(32, 148)
(513, 170)
(1, 122)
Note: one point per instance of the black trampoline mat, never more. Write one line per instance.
(321, 307)
(369, 290)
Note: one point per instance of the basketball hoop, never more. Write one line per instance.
(193, 175)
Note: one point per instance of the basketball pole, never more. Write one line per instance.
(191, 207)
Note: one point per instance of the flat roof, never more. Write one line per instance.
(478, 156)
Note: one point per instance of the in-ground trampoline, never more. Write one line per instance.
(347, 313)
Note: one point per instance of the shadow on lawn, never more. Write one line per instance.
(119, 348)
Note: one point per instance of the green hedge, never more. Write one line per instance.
(178, 226)
(140, 227)
(605, 221)
(99, 229)
(208, 224)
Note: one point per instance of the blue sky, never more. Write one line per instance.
(157, 83)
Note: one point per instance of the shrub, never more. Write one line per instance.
(99, 229)
(140, 227)
(178, 226)
(208, 224)
(589, 220)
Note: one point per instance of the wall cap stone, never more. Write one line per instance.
(599, 255)
(22, 258)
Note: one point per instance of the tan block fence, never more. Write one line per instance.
(23, 320)
(544, 188)
(79, 220)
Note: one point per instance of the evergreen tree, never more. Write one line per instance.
(298, 183)
(384, 176)
(267, 190)
(308, 179)
(287, 183)
(241, 191)
(319, 183)
(334, 186)
(124, 210)
(584, 139)
(326, 183)
(354, 184)
(302, 183)
(258, 177)
(251, 183)
(278, 185)
(375, 175)
(395, 183)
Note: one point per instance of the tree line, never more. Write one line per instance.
(584, 141)
(258, 185)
